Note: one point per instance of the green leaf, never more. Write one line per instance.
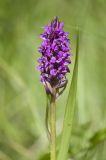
(98, 137)
(69, 111)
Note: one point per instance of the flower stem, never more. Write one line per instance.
(53, 128)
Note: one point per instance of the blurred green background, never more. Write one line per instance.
(22, 96)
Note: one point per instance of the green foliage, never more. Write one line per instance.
(69, 110)
(22, 97)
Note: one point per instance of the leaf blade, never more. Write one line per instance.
(69, 112)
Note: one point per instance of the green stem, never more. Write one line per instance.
(53, 128)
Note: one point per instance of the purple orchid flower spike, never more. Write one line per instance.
(55, 57)
(54, 66)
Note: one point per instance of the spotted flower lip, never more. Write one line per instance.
(55, 53)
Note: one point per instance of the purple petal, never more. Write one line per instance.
(53, 60)
(53, 72)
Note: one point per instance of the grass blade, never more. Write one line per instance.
(69, 112)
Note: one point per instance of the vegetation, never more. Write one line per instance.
(22, 97)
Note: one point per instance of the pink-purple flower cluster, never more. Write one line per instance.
(55, 53)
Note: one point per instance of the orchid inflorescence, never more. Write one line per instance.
(55, 57)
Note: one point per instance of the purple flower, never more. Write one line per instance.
(55, 54)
